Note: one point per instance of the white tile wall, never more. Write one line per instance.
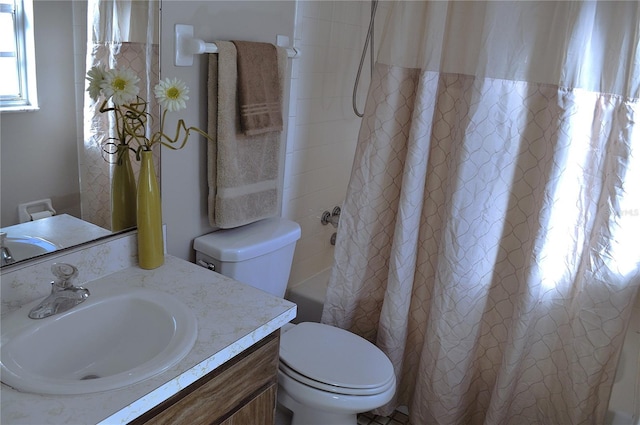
(322, 126)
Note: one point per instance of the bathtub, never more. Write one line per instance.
(309, 295)
(624, 409)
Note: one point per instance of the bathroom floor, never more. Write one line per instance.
(283, 417)
(396, 418)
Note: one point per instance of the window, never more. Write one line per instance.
(17, 56)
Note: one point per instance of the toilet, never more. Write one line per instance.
(326, 375)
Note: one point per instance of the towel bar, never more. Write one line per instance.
(187, 46)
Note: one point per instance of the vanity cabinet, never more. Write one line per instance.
(240, 392)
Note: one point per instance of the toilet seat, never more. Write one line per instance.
(333, 388)
(334, 360)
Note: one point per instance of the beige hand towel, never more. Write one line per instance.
(259, 88)
(244, 172)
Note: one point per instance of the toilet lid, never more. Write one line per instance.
(334, 356)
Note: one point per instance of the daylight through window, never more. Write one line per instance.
(17, 56)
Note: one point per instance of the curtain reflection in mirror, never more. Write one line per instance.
(124, 35)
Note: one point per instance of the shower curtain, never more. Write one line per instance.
(121, 34)
(489, 238)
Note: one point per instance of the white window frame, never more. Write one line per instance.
(27, 100)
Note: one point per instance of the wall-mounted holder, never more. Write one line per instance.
(187, 45)
(35, 210)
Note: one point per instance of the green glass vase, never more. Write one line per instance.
(123, 192)
(150, 241)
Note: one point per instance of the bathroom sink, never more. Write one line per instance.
(23, 247)
(113, 339)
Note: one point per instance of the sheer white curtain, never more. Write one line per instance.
(488, 242)
(121, 34)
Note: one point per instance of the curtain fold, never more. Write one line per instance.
(487, 242)
(121, 34)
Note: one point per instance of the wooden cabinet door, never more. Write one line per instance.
(226, 391)
(261, 410)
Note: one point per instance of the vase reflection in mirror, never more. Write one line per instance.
(123, 191)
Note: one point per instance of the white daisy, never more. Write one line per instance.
(95, 76)
(120, 85)
(172, 94)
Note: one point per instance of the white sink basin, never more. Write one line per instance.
(113, 339)
(23, 247)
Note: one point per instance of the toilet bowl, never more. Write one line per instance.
(326, 375)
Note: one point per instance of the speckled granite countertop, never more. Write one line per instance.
(63, 230)
(231, 318)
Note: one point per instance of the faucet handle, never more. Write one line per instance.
(63, 294)
(65, 273)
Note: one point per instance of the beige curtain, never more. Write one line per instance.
(488, 241)
(121, 34)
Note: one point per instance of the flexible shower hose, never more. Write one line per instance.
(369, 38)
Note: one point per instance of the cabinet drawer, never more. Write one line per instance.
(218, 395)
(260, 410)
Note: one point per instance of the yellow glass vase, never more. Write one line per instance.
(123, 192)
(150, 241)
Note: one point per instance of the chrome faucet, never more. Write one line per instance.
(64, 295)
(331, 217)
(5, 254)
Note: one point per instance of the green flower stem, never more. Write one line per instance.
(131, 126)
(181, 125)
(119, 120)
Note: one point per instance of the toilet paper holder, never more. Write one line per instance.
(34, 210)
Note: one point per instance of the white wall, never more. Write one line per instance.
(321, 131)
(38, 150)
(184, 173)
(322, 128)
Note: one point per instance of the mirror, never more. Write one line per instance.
(41, 152)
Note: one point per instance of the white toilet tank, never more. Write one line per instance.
(259, 254)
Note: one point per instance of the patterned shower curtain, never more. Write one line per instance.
(121, 34)
(489, 239)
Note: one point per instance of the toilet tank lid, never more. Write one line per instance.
(249, 241)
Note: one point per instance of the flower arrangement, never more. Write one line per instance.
(120, 91)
